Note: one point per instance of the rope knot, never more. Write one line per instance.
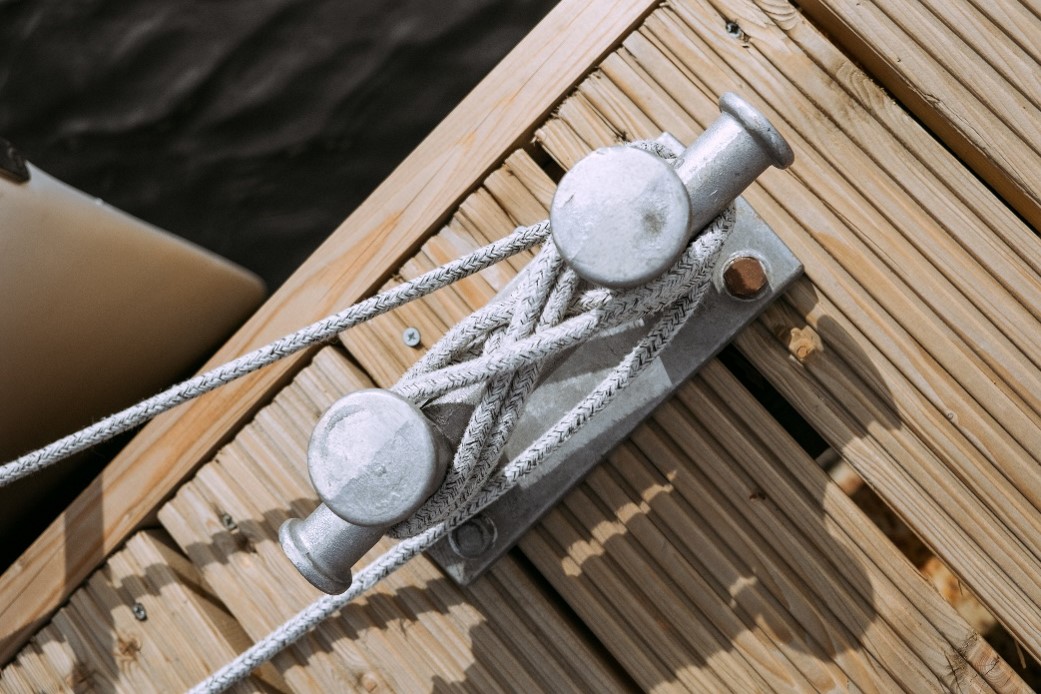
(492, 360)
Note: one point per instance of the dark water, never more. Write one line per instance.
(250, 127)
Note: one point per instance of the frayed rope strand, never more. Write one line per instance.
(316, 333)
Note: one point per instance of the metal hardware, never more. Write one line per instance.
(374, 458)
(228, 522)
(324, 547)
(720, 318)
(139, 611)
(744, 277)
(739, 146)
(622, 216)
(474, 537)
(12, 163)
(411, 337)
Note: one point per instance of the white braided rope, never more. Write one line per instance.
(503, 345)
(316, 333)
(505, 363)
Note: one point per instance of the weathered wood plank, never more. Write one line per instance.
(95, 643)
(415, 632)
(951, 438)
(416, 197)
(967, 69)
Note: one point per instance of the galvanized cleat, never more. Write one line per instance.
(623, 216)
(374, 458)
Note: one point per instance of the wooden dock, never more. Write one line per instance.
(712, 551)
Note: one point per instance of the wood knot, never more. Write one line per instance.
(369, 682)
(126, 650)
(80, 679)
(803, 343)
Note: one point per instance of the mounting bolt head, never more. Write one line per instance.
(620, 217)
(139, 611)
(411, 337)
(474, 537)
(744, 277)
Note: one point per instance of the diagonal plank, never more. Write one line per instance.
(968, 69)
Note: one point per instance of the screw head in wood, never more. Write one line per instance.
(411, 337)
(745, 277)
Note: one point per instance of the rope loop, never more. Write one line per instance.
(498, 353)
(477, 481)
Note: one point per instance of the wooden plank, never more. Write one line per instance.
(417, 196)
(950, 439)
(786, 589)
(416, 630)
(713, 490)
(967, 69)
(95, 643)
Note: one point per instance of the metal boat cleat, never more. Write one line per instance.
(374, 458)
(620, 217)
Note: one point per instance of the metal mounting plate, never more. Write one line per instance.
(719, 319)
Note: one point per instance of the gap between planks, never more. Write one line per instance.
(968, 69)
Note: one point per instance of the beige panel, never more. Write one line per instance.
(98, 311)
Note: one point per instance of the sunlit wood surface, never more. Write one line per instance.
(711, 551)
